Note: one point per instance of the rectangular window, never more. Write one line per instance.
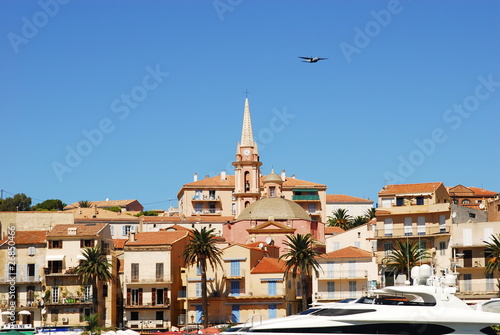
(55, 244)
(442, 248)
(442, 223)
(55, 266)
(422, 245)
(87, 294)
(126, 229)
(388, 227)
(272, 311)
(400, 201)
(420, 201)
(211, 208)
(467, 282)
(54, 315)
(299, 291)
(490, 282)
(135, 296)
(134, 316)
(271, 288)
(197, 292)
(31, 251)
(134, 272)
(159, 271)
(272, 191)
(408, 229)
(352, 269)
(86, 243)
(55, 294)
(331, 289)
(312, 208)
(198, 207)
(235, 313)
(388, 247)
(211, 194)
(352, 289)
(159, 296)
(467, 258)
(235, 268)
(329, 268)
(235, 288)
(421, 225)
(159, 315)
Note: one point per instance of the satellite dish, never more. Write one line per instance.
(269, 240)
(481, 205)
(454, 214)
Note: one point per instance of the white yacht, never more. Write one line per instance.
(429, 309)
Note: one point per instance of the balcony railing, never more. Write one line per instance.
(147, 324)
(149, 279)
(71, 300)
(400, 231)
(134, 304)
(343, 274)
(234, 274)
(205, 198)
(338, 295)
(314, 197)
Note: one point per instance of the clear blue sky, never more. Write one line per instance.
(127, 99)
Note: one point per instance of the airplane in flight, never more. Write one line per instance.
(312, 59)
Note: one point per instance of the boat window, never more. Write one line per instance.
(308, 311)
(339, 312)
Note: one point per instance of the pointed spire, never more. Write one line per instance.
(246, 132)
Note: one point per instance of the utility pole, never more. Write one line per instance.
(1, 194)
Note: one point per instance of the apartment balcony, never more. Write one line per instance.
(21, 279)
(325, 296)
(413, 208)
(58, 272)
(477, 288)
(77, 300)
(202, 198)
(207, 212)
(343, 274)
(149, 279)
(410, 232)
(305, 198)
(147, 324)
(149, 305)
(234, 274)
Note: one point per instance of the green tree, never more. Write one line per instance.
(340, 219)
(300, 259)
(93, 323)
(202, 250)
(49, 205)
(19, 202)
(370, 213)
(358, 221)
(147, 213)
(406, 256)
(94, 268)
(492, 253)
(85, 203)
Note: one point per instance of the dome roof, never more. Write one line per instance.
(278, 208)
(272, 177)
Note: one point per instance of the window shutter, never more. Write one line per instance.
(82, 244)
(124, 230)
(165, 296)
(129, 296)
(140, 297)
(153, 296)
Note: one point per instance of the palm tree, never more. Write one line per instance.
(493, 253)
(340, 219)
(358, 221)
(300, 258)
(202, 249)
(93, 268)
(84, 203)
(370, 213)
(406, 256)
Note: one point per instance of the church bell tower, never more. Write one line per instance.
(246, 166)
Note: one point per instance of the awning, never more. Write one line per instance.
(271, 279)
(81, 257)
(304, 190)
(54, 257)
(24, 313)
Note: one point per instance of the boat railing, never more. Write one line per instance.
(251, 323)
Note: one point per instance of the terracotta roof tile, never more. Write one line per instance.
(410, 188)
(345, 198)
(82, 229)
(119, 243)
(157, 238)
(347, 252)
(269, 265)
(28, 237)
(333, 230)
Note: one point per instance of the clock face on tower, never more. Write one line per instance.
(246, 152)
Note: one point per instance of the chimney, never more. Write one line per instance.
(207, 176)
(283, 175)
(223, 175)
(131, 236)
(195, 177)
(293, 176)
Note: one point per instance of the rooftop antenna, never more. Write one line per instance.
(246, 93)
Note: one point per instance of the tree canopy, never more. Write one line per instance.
(19, 202)
(49, 205)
